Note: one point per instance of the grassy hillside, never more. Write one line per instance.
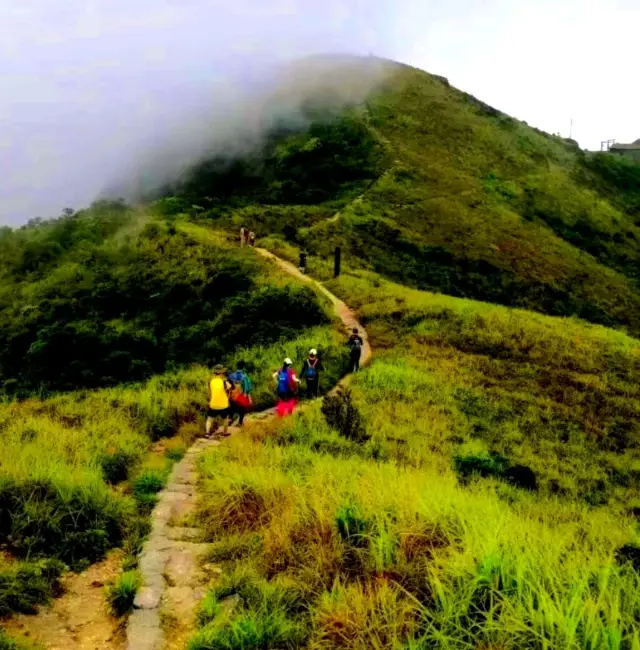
(437, 190)
(97, 302)
(111, 295)
(481, 494)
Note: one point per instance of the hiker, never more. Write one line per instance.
(355, 343)
(243, 236)
(219, 390)
(303, 261)
(286, 388)
(311, 372)
(241, 400)
(252, 238)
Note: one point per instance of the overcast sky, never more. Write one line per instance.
(85, 82)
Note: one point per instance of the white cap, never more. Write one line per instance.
(288, 361)
(313, 352)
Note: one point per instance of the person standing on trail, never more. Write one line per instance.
(355, 344)
(252, 238)
(219, 390)
(286, 388)
(311, 373)
(243, 236)
(241, 400)
(303, 261)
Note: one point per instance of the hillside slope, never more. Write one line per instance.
(439, 191)
(111, 295)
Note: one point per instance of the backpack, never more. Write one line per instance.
(242, 383)
(283, 381)
(356, 343)
(311, 372)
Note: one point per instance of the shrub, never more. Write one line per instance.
(483, 466)
(74, 523)
(123, 591)
(115, 466)
(24, 585)
(497, 466)
(342, 414)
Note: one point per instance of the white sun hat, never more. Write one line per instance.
(313, 352)
(288, 361)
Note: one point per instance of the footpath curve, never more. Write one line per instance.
(171, 561)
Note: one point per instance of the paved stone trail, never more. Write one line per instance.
(175, 578)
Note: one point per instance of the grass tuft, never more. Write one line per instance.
(122, 592)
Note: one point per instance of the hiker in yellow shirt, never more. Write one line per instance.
(219, 404)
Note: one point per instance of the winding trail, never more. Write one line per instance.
(175, 578)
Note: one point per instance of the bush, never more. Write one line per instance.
(123, 591)
(341, 414)
(24, 585)
(74, 523)
(497, 466)
(115, 466)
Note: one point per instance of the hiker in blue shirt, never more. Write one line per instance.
(311, 372)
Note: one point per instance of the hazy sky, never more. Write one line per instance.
(83, 83)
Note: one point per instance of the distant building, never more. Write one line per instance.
(629, 150)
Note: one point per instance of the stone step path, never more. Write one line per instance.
(170, 562)
(175, 578)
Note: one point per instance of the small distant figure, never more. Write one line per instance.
(286, 388)
(355, 344)
(219, 403)
(311, 373)
(252, 238)
(243, 236)
(303, 261)
(241, 400)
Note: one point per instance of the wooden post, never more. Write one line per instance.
(336, 265)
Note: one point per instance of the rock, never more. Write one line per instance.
(96, 584)
(152, 563)
(144, 631)
(188, 478)
(149, 597)
(182, 600)
(230, 604)
(182, 568)
(182, 509)
(184, 488)
(185, 534)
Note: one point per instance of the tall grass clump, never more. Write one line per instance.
(122, 592)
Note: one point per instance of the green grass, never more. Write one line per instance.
(428, 532)
(7, 643)
(75, 479)
(122, 592)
